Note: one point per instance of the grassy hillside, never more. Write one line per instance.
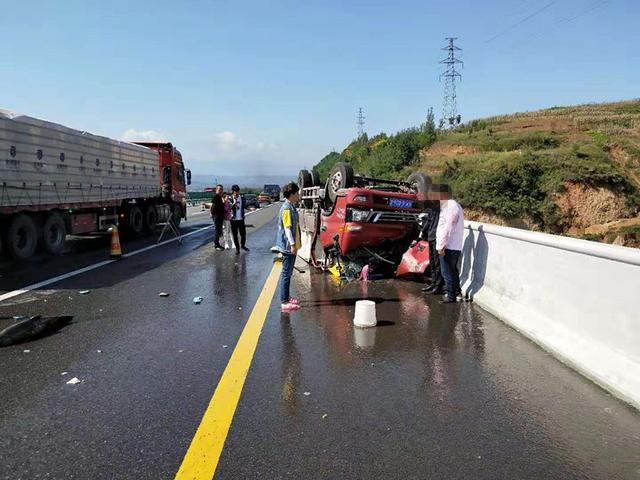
(572, 170)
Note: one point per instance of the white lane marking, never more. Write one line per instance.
(44, 283)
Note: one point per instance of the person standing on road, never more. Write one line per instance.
(428, 233)
(237, 219)
(217, 215)
(449, 237)
(228, 242)
(288, 243)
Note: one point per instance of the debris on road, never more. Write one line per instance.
(32, 328)
(99, 351)
(74, 381)
(306, 394)
(64, 373)
(197, 300)
(225, 346)
(26, 351)
(84, 292)
(324, 416)
(163, 294)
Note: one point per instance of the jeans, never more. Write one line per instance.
(288, 261)
(449, 267)
(239, 226)
(434, 263)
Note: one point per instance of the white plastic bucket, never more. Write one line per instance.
(365, 315)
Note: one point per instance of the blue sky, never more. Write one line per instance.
(250, 87)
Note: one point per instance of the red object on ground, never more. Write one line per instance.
(415, 260)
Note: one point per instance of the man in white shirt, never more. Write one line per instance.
(449, 238)
(237, 219)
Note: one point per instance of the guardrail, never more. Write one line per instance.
(575, 298)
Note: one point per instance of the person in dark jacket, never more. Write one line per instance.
(217, 215)
(428, 233)
(237, 219)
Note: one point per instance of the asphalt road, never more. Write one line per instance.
(81, 251)
(433, 392)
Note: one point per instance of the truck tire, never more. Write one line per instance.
(177, 214)
(341, 176)
(22, 237)
(305, 181)
(150, 218)
(54, 233)
(315, 179)
(136, 221)
(421, 184)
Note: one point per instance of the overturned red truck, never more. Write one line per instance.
(55, 181)
(362, 221)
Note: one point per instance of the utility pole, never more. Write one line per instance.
(360, 123)
(450, 115)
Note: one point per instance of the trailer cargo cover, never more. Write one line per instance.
(45, 165)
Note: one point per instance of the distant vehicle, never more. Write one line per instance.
(273, 191)
(264, 198)
(58, 181)
(250, 200)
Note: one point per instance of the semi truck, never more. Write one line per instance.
(56, 181)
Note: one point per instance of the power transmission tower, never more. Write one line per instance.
(360, 123)
(450, 115)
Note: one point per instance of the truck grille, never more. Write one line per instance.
(388, 217)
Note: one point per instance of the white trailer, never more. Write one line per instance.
(56, 180)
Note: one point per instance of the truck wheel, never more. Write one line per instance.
(22, 237)
(341, 176)
(420, 183)
(305, 181)
(177, 215)
(150, 218)
(54, 234)
(136, 221)
(315, 179)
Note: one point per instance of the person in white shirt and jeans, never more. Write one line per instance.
(449, 238)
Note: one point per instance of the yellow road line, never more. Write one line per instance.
(203, 455)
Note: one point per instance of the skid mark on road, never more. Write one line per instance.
(203, 454)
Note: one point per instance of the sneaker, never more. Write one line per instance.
(245, 249)
(295, 301)
(219, 248)
(289, 307)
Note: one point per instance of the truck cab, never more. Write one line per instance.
(174, 178)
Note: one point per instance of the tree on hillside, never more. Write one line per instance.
(429, 126)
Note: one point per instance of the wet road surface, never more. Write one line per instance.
(82, 251)
(434, 392)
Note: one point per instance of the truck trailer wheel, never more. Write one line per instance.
(22, 237)
(136, 221)
(54, 234)
(341, 176)
(150, 218)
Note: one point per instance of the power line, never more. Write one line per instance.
(590, 8)
(520, 22)
(449, 105)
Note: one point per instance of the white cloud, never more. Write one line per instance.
(232, 145)
(133, 135)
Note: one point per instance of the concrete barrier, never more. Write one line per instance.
(575, 298)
